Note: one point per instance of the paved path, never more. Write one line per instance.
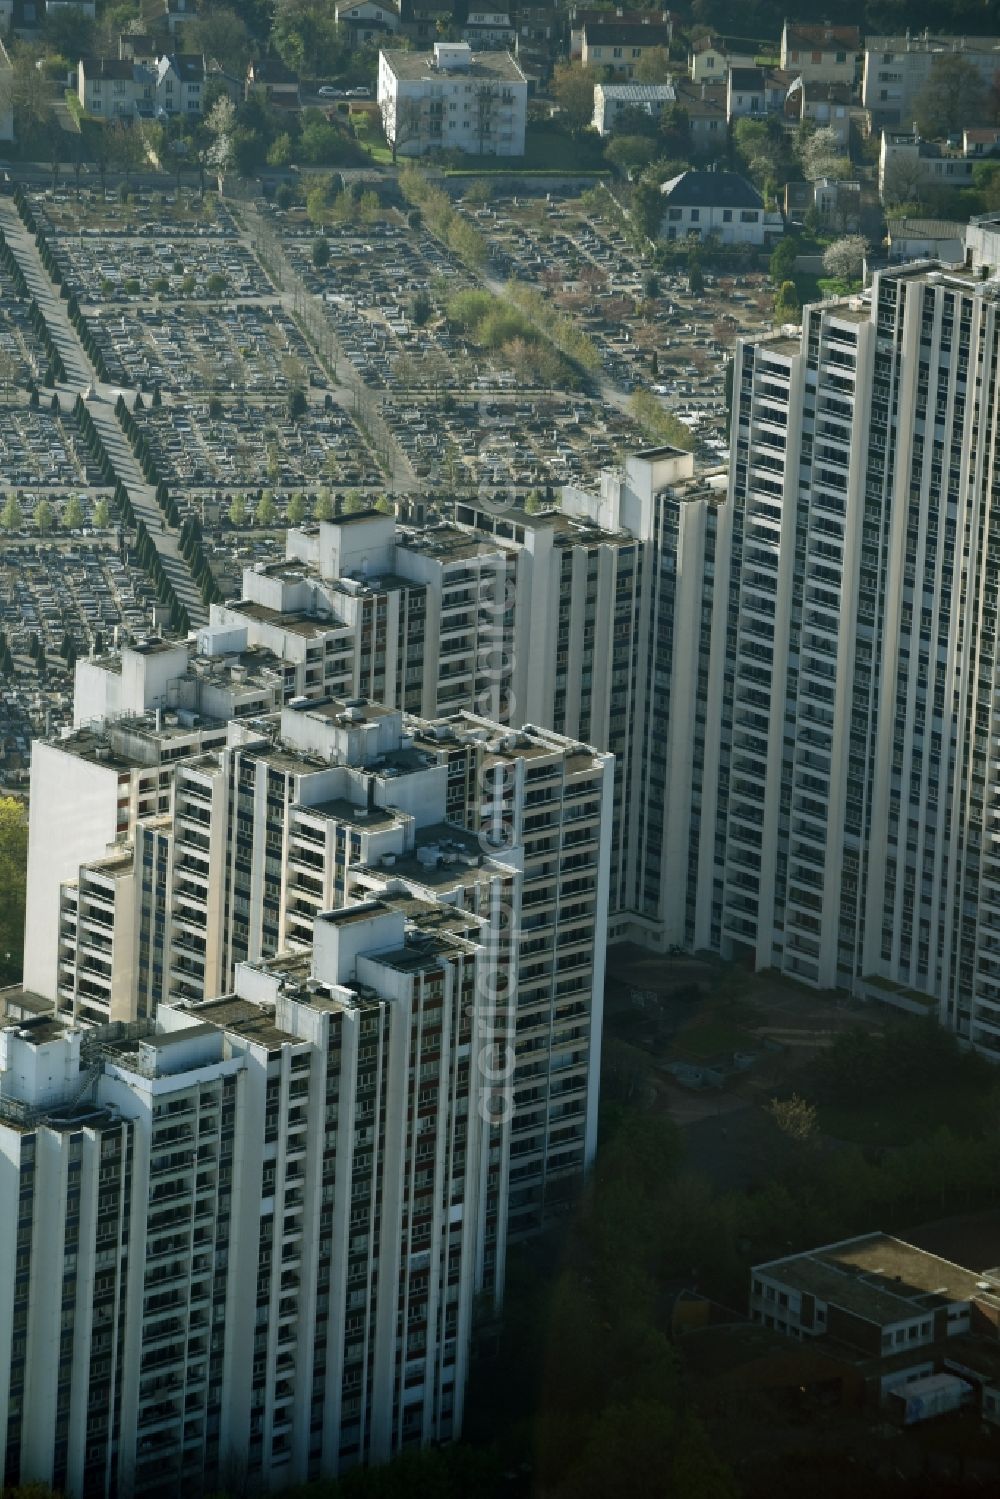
(80, 377)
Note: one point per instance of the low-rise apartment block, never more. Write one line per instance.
(453, 100)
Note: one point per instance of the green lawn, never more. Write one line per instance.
(712, 1038)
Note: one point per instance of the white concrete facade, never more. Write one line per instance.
(453, 100)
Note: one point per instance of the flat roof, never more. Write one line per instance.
(420, 66)
(295, 621)
(878, 1277)
(244, 1018)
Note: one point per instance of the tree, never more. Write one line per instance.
(238, 511)
(12, 516)
(647, 206)
(953, 95)
(845, 258)
(786, 303)
(696, 279)
(794, 1116)
(102, 514)
(73, 514)
(629, 152)
(266, 510)
(219, 124)
(759, 149)
(573, 88)
(298, 403)
(13, 871)
(654, 66)
(822, 155)
(69, 32)
(221, 34)
(323, 509)
(421, 309)
(402, 122)
(126, 147)
(295, 514)
(44, 516)
(783, 257)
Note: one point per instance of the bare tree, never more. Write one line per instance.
(401, 122)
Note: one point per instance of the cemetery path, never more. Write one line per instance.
(80, 374)
(79, 370)
(143, 497)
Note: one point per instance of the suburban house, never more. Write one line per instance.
(755, 92)
(279, 84)
(612, 99)
(180, 83)
(723, 205)
(705, 107)
(579, 17)
(168, 13)
(424, 21)
(926, 239)
(981, 142)
(453, 99)
(488, 30)
(86, 7)
(711, 57)
(828, 106)
(135, 46)
(111, 89)
(620, 45)
(821, 54)
(909, 165)
(365, 21)
(895, 69)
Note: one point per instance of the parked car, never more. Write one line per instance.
(328, 92)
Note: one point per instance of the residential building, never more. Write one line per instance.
(756, 92)
(983, 141)
(926, 239)
(711, 57)
(828, 106)
(180, 83)
(614, 99)
(920, 1330)
(87, 7)
(909, 167)
(489, 30)
(581, 16)
(195, 843)
(896, 68)
(410, 618)
(366, 21)
(620, 45)
(268, 1215)
(705, 107)
(453, 100)
(855, 771)
(700, 205)
(821, 53)
(426, 21)
(278, 84)
(114, 90)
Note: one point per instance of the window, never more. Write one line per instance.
(841, 57)
(617, 52)
(817, 57)
(727, 215)
(749, 216)
(695, 215)
(673, 214)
